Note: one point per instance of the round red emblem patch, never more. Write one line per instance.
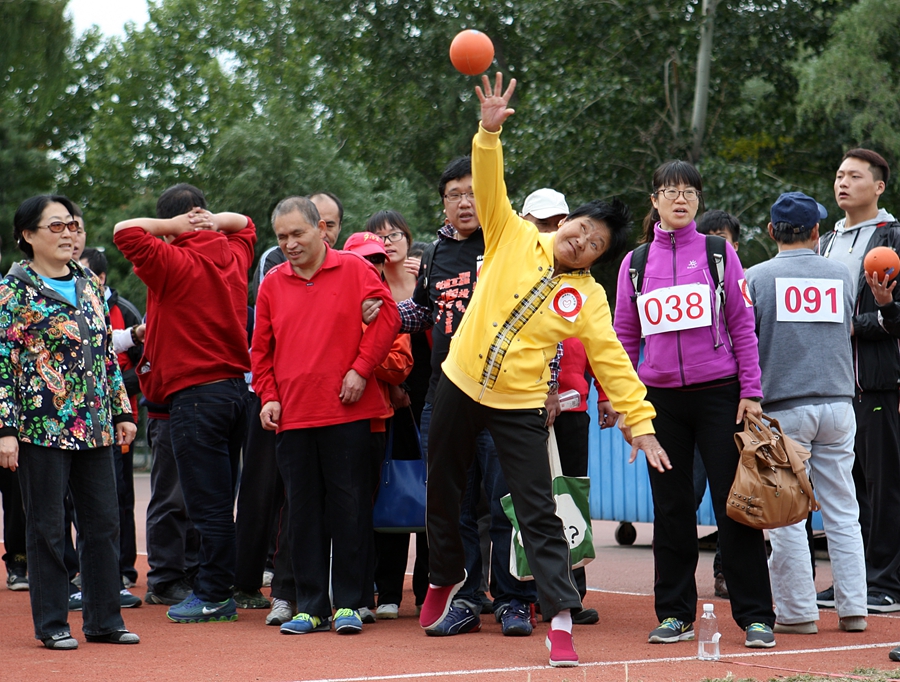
(567, 301)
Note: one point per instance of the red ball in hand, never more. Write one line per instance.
(882, 261)
(471, 52)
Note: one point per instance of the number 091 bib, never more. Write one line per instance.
(809, 300)
(672, 309)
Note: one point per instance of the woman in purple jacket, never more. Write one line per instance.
(701, 368)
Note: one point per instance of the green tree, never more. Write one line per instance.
(854, 84)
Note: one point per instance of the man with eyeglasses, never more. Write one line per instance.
(447, 278)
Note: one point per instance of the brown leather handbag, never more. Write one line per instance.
(771, 488)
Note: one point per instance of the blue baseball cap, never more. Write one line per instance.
(799, 210)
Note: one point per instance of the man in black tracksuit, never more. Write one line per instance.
(860, 181)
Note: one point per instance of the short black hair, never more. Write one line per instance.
(76, 211)
(381, 219)
(460, 167)
(96, 260)
(718, 220)
(786, 233)
(416, 249)
(616, 216)
(877, 165)
(29, 213)
(178, 200)
(669, 174)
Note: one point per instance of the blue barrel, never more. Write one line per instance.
(621, 491)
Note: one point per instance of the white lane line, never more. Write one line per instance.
(603, 664)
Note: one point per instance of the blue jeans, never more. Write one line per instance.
(46, 474)
(485, 469)
(207, 426)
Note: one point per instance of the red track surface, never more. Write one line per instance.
(615, 649)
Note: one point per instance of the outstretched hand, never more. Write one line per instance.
(494, 106)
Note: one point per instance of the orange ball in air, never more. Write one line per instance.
(471, 52)
(882, 261)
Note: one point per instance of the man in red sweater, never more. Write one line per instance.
(313, 371)
(195, 357)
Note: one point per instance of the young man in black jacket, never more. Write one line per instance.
(860, 181)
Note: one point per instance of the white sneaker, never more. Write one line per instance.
(388, 611)
(281, 613)
(366, 615)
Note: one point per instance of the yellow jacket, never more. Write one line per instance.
(521, 309)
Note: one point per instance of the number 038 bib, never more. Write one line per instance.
(672, 309)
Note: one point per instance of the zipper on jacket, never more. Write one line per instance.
(678, 333)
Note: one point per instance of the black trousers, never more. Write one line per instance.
(878, 457)
(521, 441)
(13, 519)
(259, 501)
(173, 544)
(572, 429)
(326, 477)
(125, 496)
(703, 415)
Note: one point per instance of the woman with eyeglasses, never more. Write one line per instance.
(701, 368)
(408, 399)
(62, 403)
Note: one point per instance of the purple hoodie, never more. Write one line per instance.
(687, 357)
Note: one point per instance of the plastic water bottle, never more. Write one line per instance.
(569, 400)
(708, 635)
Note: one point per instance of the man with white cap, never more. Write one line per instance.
(804, 302)
(545, 208)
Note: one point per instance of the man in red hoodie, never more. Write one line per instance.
(313, 368)
(195, 357)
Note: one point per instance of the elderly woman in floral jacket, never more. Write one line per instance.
(62, 402)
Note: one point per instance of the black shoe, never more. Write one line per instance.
(880, 602)
(117, 637)
(62, 640)
(721, 589)
(487, 606)
(586, 617)
(825, 598)
(894, 655)
(171, 594)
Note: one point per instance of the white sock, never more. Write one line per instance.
(562, 621)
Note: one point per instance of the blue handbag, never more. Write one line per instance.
(400, 500)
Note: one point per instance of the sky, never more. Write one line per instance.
(109, 15)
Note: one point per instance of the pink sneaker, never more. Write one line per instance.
(562, 649)
(437, 604)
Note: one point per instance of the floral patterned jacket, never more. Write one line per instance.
(60, 382)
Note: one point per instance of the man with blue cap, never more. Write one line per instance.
(803, 305)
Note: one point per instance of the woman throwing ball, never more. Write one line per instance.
(534, 290)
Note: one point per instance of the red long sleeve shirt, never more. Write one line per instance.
(196, 306)
(309, 334)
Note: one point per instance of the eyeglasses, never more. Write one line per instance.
(456, 197)
(393, 237)
(671, 194)
(58, 226)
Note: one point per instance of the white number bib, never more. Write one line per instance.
(686, 306)
(809, 300)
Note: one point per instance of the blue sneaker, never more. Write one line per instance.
(195, 610)
(515, 618)
(303, 624)
(347, 622)
(459, 620)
